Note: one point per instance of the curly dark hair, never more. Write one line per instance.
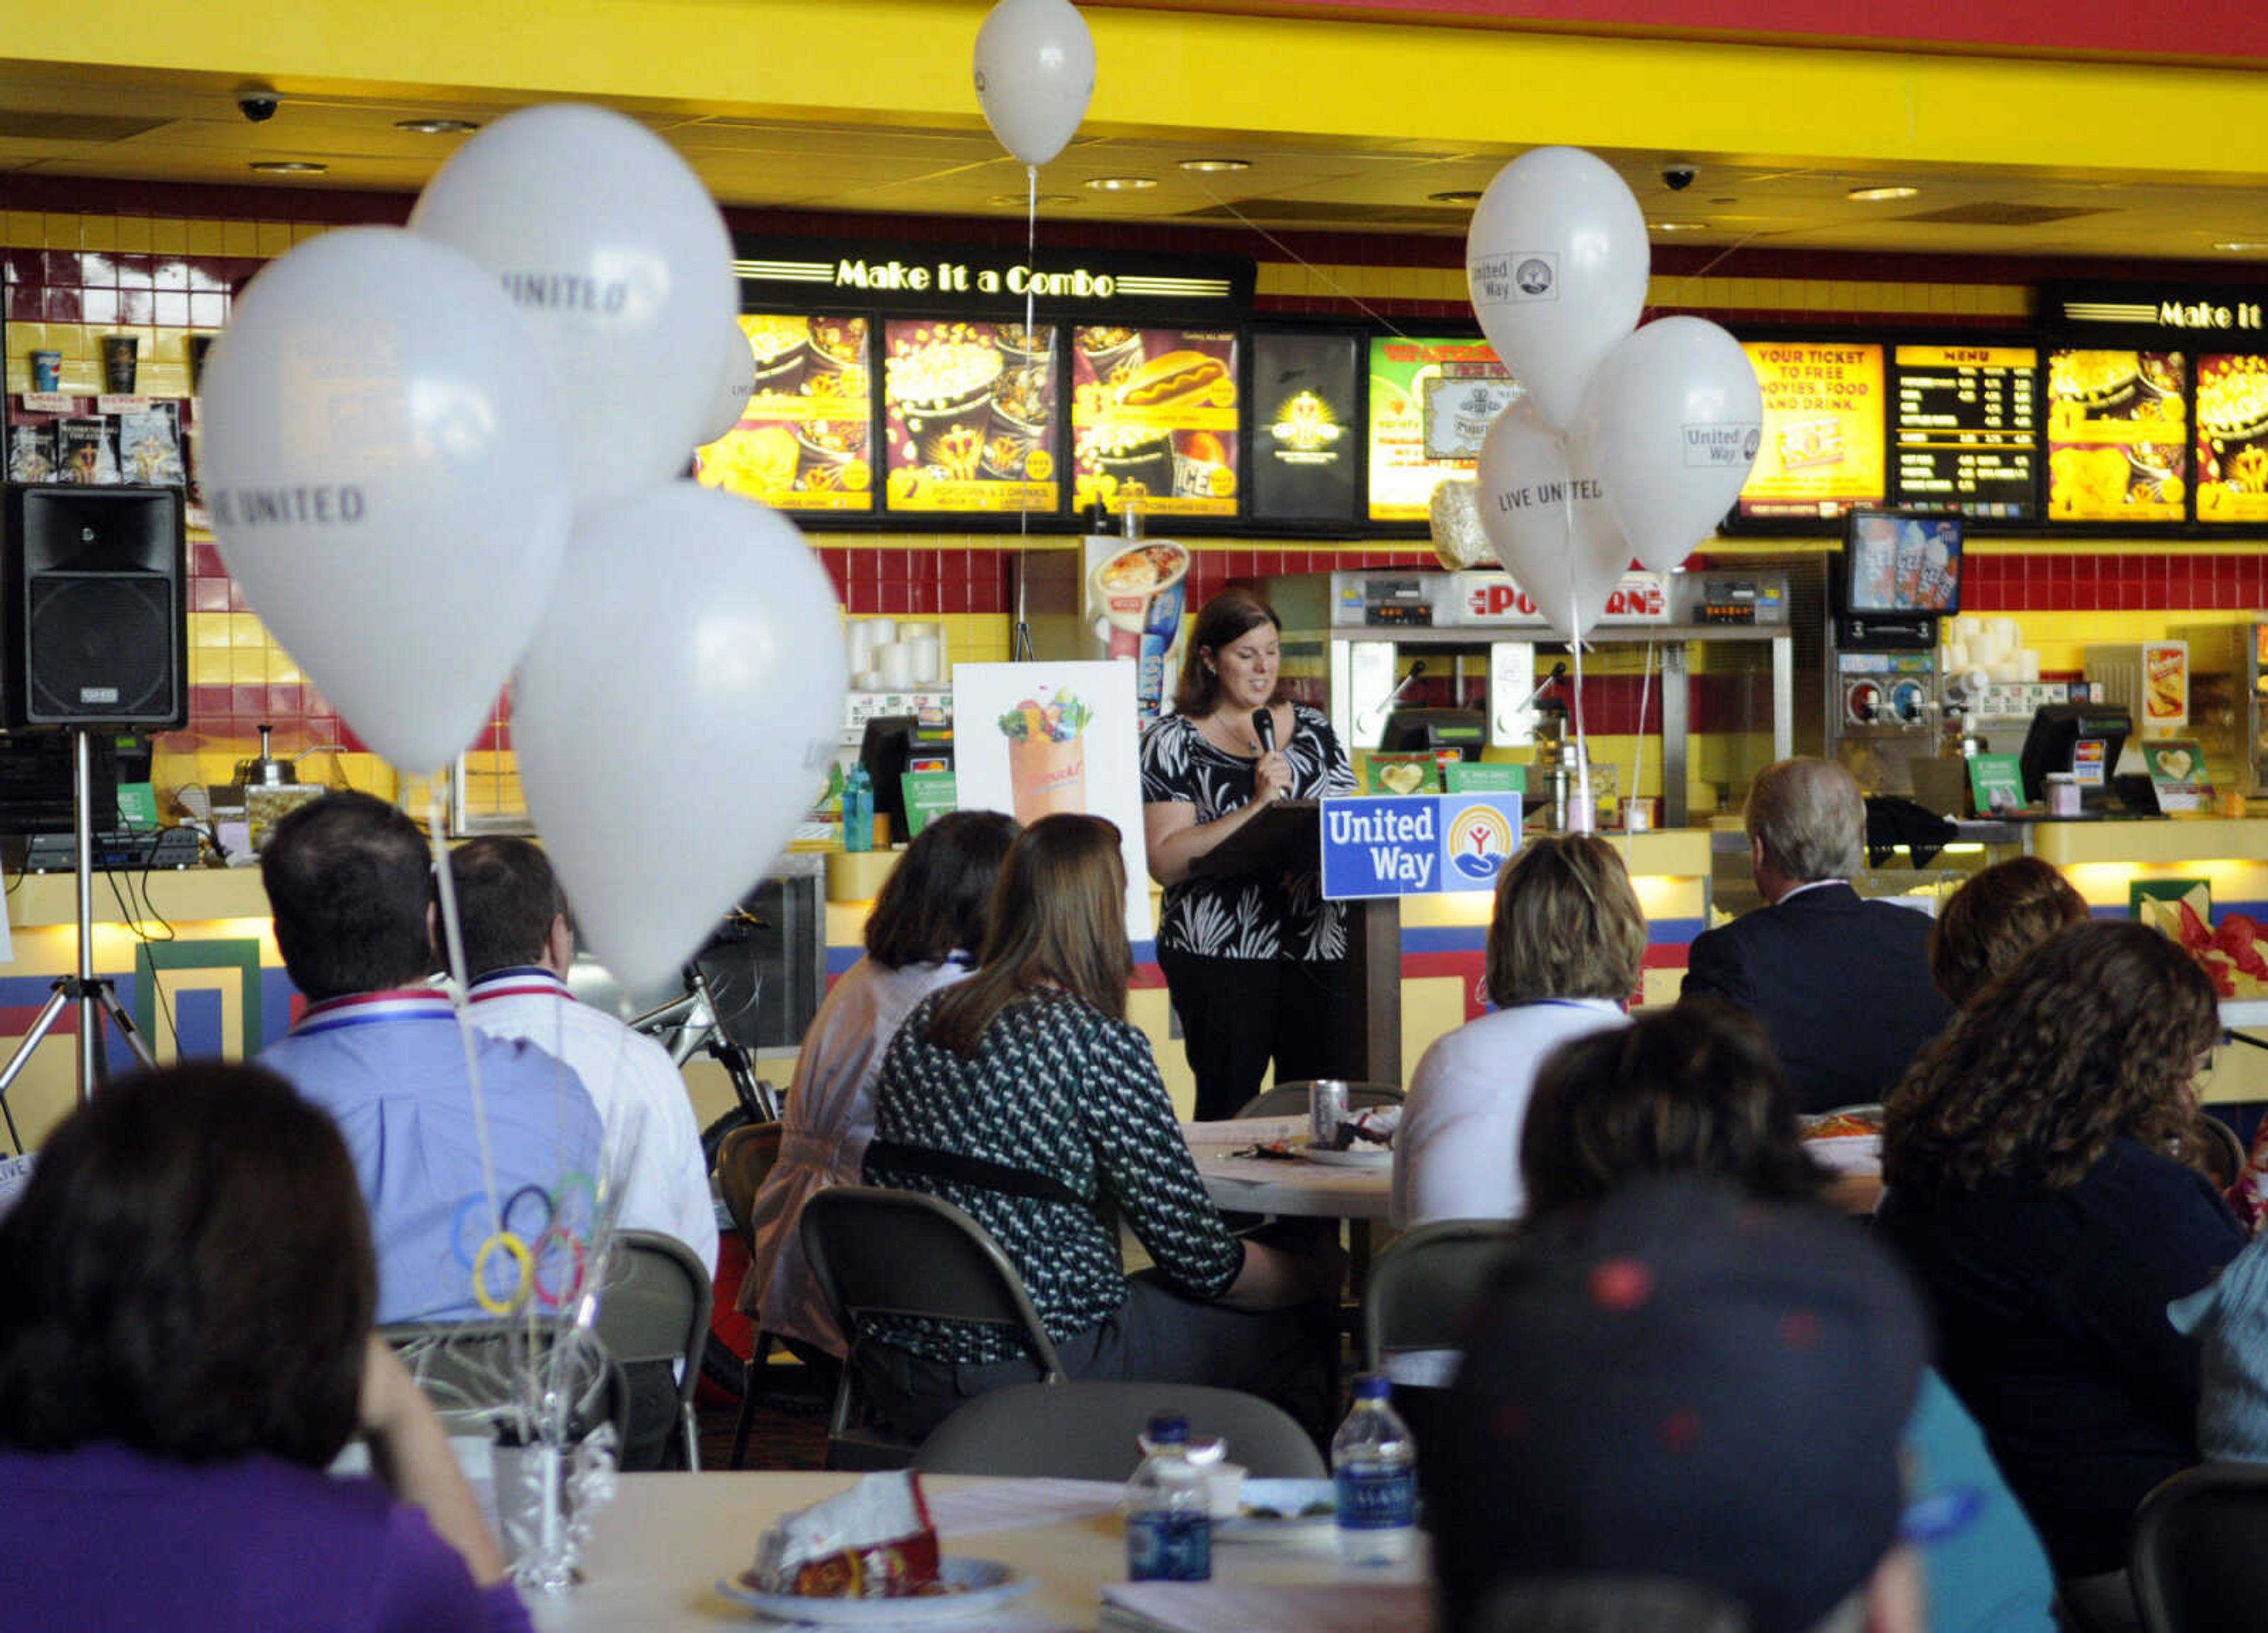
(2095, 1035)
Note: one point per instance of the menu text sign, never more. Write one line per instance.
(1964, 431)
(1822, 449)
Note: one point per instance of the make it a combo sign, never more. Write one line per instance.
(1417, 845)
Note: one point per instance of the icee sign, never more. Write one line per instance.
(1417, 845)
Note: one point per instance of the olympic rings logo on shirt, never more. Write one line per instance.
(542, 1233)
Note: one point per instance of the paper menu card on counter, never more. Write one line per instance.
(1996, 784)
(1034, 739)
(2179, 775)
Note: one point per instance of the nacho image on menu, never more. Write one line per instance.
(2232, 439)
(969, 416)
(1823, 450)
(801, 442)
(1410, 379)
(2117, 436)
(1154, 420)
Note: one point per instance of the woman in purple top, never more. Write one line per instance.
(185, 1345)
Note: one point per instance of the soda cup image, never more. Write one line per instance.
(1047, 756)
(1139, 591)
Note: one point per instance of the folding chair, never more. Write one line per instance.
(747, 1156)
(1421, 1286)
(885, 1252)
(476, 1374)
(654, 1311)
(1088, 1431)
(2200, 1549)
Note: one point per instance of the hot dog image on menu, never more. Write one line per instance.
(1154, 420)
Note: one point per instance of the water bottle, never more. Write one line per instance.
(1375, 1462)
(1168, 1508)
(858, 810)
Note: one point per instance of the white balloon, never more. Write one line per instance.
(1671, 424)
(381, 456)
(696, 648)
(1549, 521)
(613, 250)
(736, 384)
(1556, 260)
(1034, 72)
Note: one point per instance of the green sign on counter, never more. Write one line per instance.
(1480, 776)
(929, 794)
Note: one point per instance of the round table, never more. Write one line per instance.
(1271, 1185)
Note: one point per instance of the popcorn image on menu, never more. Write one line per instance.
(1047, 755)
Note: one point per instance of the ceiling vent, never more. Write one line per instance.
(1989, 214)
(29, 125)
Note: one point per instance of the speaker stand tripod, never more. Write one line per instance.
(92, 995)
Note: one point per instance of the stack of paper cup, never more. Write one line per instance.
(924, 641)
(894, 661)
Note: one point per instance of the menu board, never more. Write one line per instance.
(2231, 437)
(1966, 431)
(2117, 436)
(1822, 450)
(1415, 383)
(1153, 418)
(969, 416)
(1303, 443)
(801, 442)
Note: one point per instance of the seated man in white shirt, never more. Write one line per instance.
(519, 947)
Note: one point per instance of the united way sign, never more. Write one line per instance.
(1417, 845)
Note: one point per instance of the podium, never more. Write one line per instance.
(1287, 838)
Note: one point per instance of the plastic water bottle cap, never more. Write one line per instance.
(1168, 1429)
(1374, 1386)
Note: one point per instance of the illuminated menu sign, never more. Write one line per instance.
(969, 416)
(1823, 451)
(1964, 431)
(1450, 387)
(2117, 436)
(2231, 437)
(1304, 445)
(801, 442)
(1154, 419)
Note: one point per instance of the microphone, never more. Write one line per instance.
(1263, 727)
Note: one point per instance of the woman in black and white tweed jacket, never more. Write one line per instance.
(1024, 1096)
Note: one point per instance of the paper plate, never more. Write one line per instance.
(1360, 1157)
(985, 1585)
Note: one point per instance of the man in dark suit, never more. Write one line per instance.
(1842, 985)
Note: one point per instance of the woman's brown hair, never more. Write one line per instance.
(1693, 1089)
(188, 1273)
(938, 898)
(1058, 920)
(1219, 622)
(1996, 918)
(2094, 1034)
(1567, 924)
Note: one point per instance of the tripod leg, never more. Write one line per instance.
(41, 1025)
(107, 998)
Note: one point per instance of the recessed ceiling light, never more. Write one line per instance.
(1122, 184)
(1679, 226)
(436, 127)
(1208, 165)
(2237, 247)
(1457, 196)
(1019, 200)
(288, 167)
(1878, 196)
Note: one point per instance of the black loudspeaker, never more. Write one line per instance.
(95, 582)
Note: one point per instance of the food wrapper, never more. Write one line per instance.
(1370, 1130)
(873, 1541)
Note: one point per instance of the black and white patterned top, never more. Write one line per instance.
(1246, 916)
(1059, 1089)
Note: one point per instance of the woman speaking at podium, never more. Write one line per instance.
(1255, 960)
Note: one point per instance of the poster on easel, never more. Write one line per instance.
(1038, 739)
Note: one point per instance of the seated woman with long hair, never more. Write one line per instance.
(1565, 949)
(2031, 1188)
(1024, 1096)
(927, 926)
(185, 1345)
(1695, 1090)
(1993, 920)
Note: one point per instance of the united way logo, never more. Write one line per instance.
(1534, 276)
(1480, 841)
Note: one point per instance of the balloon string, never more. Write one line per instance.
(1337, 288)
(452, 942)
(1020, 646)
(1589, 818)
(1638, 748)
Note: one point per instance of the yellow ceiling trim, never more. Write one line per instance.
(1190, 74)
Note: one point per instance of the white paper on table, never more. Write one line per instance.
(996, 1620)
(1021, 1505)
(1304, 1607)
